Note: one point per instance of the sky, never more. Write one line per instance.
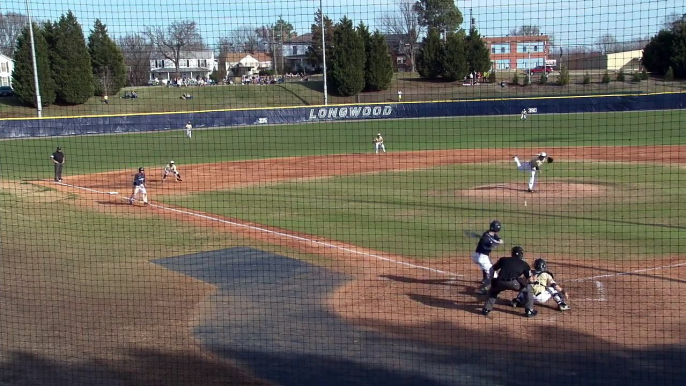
(572, 23)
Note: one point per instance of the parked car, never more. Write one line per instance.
(6, 91)
(540, 69)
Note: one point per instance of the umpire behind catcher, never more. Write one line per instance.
(510, 272)
(58, 158)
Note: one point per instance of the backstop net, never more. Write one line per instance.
(342, 192)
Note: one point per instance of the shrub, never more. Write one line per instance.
(669, 75)
(620, 76)
(491, 77)
(544, 78)
(636, 77)
(606, 77)
(527, 80)
(644, 75)
(587, 79)
(515, 79)
(563, 78)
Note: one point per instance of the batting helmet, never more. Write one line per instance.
(518, 252)
(141, 169)
(495, 226)
(543, 154)
(171, 162)
(540, 265)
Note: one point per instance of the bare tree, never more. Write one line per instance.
(526, 30)
(405, 23)
(245, 38)
(606, 44)
(177, 38)
(136, 50)
(11, 25)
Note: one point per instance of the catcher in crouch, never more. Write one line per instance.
(170, 168)
(544, 287)
(533, 166)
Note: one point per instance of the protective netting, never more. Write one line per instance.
(254, 193)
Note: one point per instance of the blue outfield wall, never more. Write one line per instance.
(18, 128)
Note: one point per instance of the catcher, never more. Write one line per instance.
(533, 166)
(170, 168)
(544, 287)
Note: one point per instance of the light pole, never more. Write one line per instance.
(321, 9)
(39, 103)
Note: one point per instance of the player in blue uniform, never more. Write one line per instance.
(481, 256)
(139, 187)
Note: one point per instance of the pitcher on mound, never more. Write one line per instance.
(534, 167)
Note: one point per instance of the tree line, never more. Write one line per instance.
(666, 52)
(70, 70)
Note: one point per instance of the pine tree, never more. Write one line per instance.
(345, 72)
(315, 52)
(379, 68)
(430, 57)
(22, 76)
(109, 70)
(71, 62)
(455, 64)
(477, 52)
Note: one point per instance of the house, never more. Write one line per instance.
(518, 52)
(6, 68)
(295, 53)
(400, 51)
(193, 64)
(629, 61)
(242, 64)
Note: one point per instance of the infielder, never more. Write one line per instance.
(523, 117)
(189, 128)
(489, 240)
(170, 168)
(139, 187)
(544, 287)
(533, 166)
(378, 142)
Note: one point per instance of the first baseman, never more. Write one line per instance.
(378, 141)
(533, 166)
(170, 168)
(139, 187)
(544, 287)
(481, 256)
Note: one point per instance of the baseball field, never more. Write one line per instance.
(294, 255)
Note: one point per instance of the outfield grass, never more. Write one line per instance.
(29, 158)
(422, 214)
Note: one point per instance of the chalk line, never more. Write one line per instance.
(282, 234)
(629, 272)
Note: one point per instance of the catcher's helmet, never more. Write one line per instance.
(518, 252)
(540, 265)
(495, 226)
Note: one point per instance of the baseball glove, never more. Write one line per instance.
(550, 160)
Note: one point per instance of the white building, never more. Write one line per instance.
(193, 64)
(295, 53)
(6, 68)
(242, 64)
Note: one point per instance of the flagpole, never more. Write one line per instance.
(39, 103)
(321, 9)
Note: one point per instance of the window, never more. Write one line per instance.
(202, 63)
(159, 63)
(4, 81)
(502, 64)
(535, 48)
(188, 63)
(400, 60)
(524, 48)
(493, 50)
(502, 50)
(295, 50)
(4, 67)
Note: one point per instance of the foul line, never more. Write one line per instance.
(299, 238)
(630, 272)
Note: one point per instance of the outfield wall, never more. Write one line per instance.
(44, 127)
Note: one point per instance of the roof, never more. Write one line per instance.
(516, 39)
(201, 54)
(304, 38)
(181, 69)
(7, 58)
(233, 57)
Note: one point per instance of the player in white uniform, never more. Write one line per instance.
(378, 142)
(523, 117)
(533, 166)
(544, 288)
(189, 128)
(170, 168)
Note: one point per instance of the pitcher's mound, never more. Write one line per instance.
(551, 191)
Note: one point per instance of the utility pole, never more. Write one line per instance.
(283, 68)
(39, 103)
(321, 9)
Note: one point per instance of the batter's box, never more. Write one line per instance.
(586, 291)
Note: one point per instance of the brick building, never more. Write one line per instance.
(518, 52)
